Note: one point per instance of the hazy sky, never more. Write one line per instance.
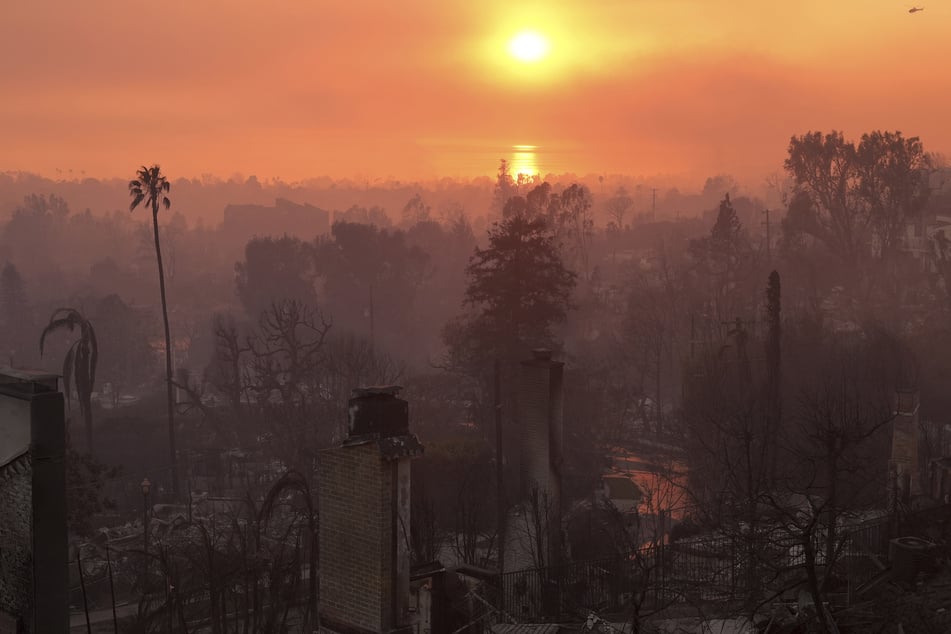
(423, 88)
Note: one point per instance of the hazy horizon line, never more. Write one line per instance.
(670, 180)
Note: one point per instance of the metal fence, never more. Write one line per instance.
(689, 571)
(692, 570)
(698, 570)
(549, 593)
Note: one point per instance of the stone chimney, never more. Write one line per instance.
(541, 445)
(904, 476)
(540, 414)
(364, 502)
(34, 572)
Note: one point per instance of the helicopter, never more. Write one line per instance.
(915, 9)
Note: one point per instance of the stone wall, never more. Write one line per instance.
(16, 565)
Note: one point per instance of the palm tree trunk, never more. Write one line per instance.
(87, 418)
(173, 456)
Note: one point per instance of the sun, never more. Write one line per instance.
(529, 47)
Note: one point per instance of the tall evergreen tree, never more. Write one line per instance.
(727, 228)
(723, 260)
(505, 188)
(518, 289)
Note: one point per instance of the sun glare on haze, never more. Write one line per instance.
(529, 47)
(524, 162)
(536, 47)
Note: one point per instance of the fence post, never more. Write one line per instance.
(615, 581)
(884, 537)
(501, 597)
(82, 584)
(112, 593)
(168, 594)
(850, 552)
(733, 564)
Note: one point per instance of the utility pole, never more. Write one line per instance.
(372, 329)
(769, 243)
(653, 204)
(693, 334)
(499, 471)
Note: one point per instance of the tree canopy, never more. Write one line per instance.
(275, 269)
(370, 278)
(518, 289)
(861, 195)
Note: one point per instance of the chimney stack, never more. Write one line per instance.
(540, 413)
(540, 419)
(904, 479)
(364, 501)
(34, 577)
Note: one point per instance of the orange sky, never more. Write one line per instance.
(423, 88)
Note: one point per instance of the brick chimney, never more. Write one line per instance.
(364, 502)
(904, 476)
(34, 577)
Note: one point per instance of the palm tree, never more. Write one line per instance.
(79, 364)
(151, 187)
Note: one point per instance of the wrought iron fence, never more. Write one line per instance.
(655, 575)
(555, 591)
(694, 570)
